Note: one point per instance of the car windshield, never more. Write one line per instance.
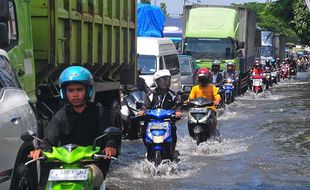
(185, 66)
(206, 48)
(147, 64)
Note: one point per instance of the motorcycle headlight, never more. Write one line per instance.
(229, 80)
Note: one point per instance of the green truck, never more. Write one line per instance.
(222, 32)
(43, 37)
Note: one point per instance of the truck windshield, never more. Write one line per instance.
(147, 64)
(205, 48)
(185, 66)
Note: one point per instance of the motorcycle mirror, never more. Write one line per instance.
(26, 137)
(111, 131)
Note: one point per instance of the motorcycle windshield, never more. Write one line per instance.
(159, 113)
(201, 102)
(140, 96)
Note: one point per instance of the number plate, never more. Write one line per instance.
(68, 175)
(198, 110)
(158, 126)
(257, 82)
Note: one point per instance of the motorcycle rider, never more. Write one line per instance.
(258, 70)
(231, 73)
(79, 121)
(164, 98)
(206, 90)
(217, 77)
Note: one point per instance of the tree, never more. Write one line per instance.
(302, 21)
(146, 1)
(163, 7)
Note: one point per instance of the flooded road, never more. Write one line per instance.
(266, 145)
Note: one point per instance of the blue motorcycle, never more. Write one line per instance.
(158, 135)
(229, 91)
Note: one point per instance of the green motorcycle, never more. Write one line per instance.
(72, 173)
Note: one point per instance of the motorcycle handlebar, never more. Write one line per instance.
(34, 160)
(103, 156)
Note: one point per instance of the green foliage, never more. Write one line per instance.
(302, 21)
(163, 7)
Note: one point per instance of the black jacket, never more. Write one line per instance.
(141, 85)
(71, 127)
(168, 101)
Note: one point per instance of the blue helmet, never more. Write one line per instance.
(76, 74)
(273, 61)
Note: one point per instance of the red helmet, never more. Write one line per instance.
(204, 75)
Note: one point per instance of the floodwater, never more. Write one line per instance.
(266, 145)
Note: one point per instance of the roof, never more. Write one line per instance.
(154, 46)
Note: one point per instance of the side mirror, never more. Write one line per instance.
(29, 135)
(110, 131)
(240, 45)
(4, 33)
(4, 11)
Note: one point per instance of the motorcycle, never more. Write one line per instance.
(133, 123)
(284, 73)
(274, 76)
(158, 135)
(70, 160)
(199, 120)
(229, 90)
(293, 71)
(257, 86)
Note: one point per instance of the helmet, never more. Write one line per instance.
(204, 75)
(216, 65)
(258, 65)
(267, 62)
(230, 66)
(162, 78)
(273, 61)
(76, 74)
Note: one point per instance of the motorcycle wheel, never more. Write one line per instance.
(199, 138)
(24, 179)
(157, 158)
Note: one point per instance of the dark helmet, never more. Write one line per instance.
(267, 62)
(216, 65)
(204, 76)
(257, 65)
(76, 74)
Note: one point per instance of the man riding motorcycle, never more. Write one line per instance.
(217, 77)
(206, 90)
(231, 73)
(164, 98)
(79, 121)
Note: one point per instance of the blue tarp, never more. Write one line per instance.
(151, 20)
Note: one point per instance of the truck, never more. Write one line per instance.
(43, 37)
(224, 33)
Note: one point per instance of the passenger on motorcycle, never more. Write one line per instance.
(79, 121)
(141, 85)
(164, 98)
(217, 77)
(206, 90)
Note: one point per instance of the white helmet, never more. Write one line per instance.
(161, 73)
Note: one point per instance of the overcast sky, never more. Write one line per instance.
(175, 6)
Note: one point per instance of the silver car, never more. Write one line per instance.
(16, 117)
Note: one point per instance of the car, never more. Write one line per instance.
(188, 69)
(16, 117)
(156, 54)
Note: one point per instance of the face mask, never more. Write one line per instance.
(203, 80)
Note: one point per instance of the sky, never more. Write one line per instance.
(174, 7)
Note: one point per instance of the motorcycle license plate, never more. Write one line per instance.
(68, 175)
(158, 126)
(198, 110)
(158, 139)
(257, 82)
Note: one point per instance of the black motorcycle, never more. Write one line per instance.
(133, 101)
(199, 120)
